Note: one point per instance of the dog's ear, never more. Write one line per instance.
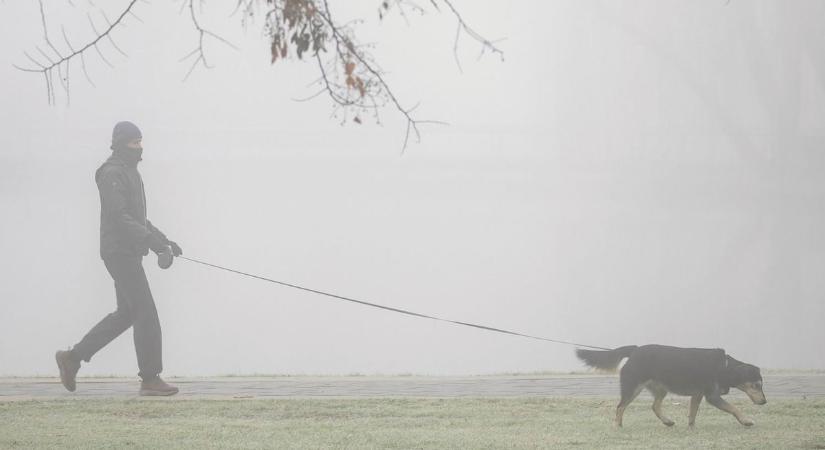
(732, 374)
(754, 374)
(733, 362)
(745, 373)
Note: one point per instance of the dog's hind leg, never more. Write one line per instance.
(694, 408)
(659, 394)
(716, 400)
(630, 389)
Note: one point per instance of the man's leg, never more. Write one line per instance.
(147, 333)
(110, 327)
(136, 308)
(146, 326)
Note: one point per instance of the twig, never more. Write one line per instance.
(199, 49)
(48, 68)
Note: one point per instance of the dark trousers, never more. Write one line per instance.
(136, 309)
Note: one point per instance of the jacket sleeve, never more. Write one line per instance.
(113, 206)
(154, 230)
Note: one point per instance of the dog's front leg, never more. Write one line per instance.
(717, 401)
(694, 408)
(659, 396)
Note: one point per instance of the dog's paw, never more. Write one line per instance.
(669, 423)
(747, 422)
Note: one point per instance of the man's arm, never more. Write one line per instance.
(154, 230)
(176, 250)
(113, 206)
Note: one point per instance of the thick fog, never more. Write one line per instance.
(631, 173)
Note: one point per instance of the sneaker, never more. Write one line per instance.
(68, 369)
(156, 387)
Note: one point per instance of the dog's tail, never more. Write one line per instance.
(605, 360)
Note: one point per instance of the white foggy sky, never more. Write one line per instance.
(634, 172)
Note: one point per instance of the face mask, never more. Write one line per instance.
(130, 154)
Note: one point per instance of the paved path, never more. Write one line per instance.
(776, 386)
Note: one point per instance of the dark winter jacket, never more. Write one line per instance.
(124, 229)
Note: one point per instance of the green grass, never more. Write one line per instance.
(399, 423)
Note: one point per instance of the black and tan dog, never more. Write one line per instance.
(697, 372)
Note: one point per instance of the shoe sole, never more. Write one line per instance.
(63, 373)
(147, 393)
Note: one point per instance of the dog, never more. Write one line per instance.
(695, 372)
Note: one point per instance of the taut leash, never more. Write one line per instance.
(388, 308)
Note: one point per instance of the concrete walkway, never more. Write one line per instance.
(797, 386)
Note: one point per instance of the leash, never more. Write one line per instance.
(388, 308)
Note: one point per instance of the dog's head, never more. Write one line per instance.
(747, 378)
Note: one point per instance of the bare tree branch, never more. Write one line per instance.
(349, 75)
(199, 49)
(131, 13)
(486, 44)
(46, 30)
(56, 64)
(349, 49)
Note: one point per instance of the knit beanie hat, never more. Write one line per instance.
(124, 133)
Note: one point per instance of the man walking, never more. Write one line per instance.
(125, 238)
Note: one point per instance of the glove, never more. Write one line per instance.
(156, 243)
(176, 250)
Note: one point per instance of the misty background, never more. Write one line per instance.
(633, 172)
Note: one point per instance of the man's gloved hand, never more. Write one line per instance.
(176, 250)
(155, 243)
